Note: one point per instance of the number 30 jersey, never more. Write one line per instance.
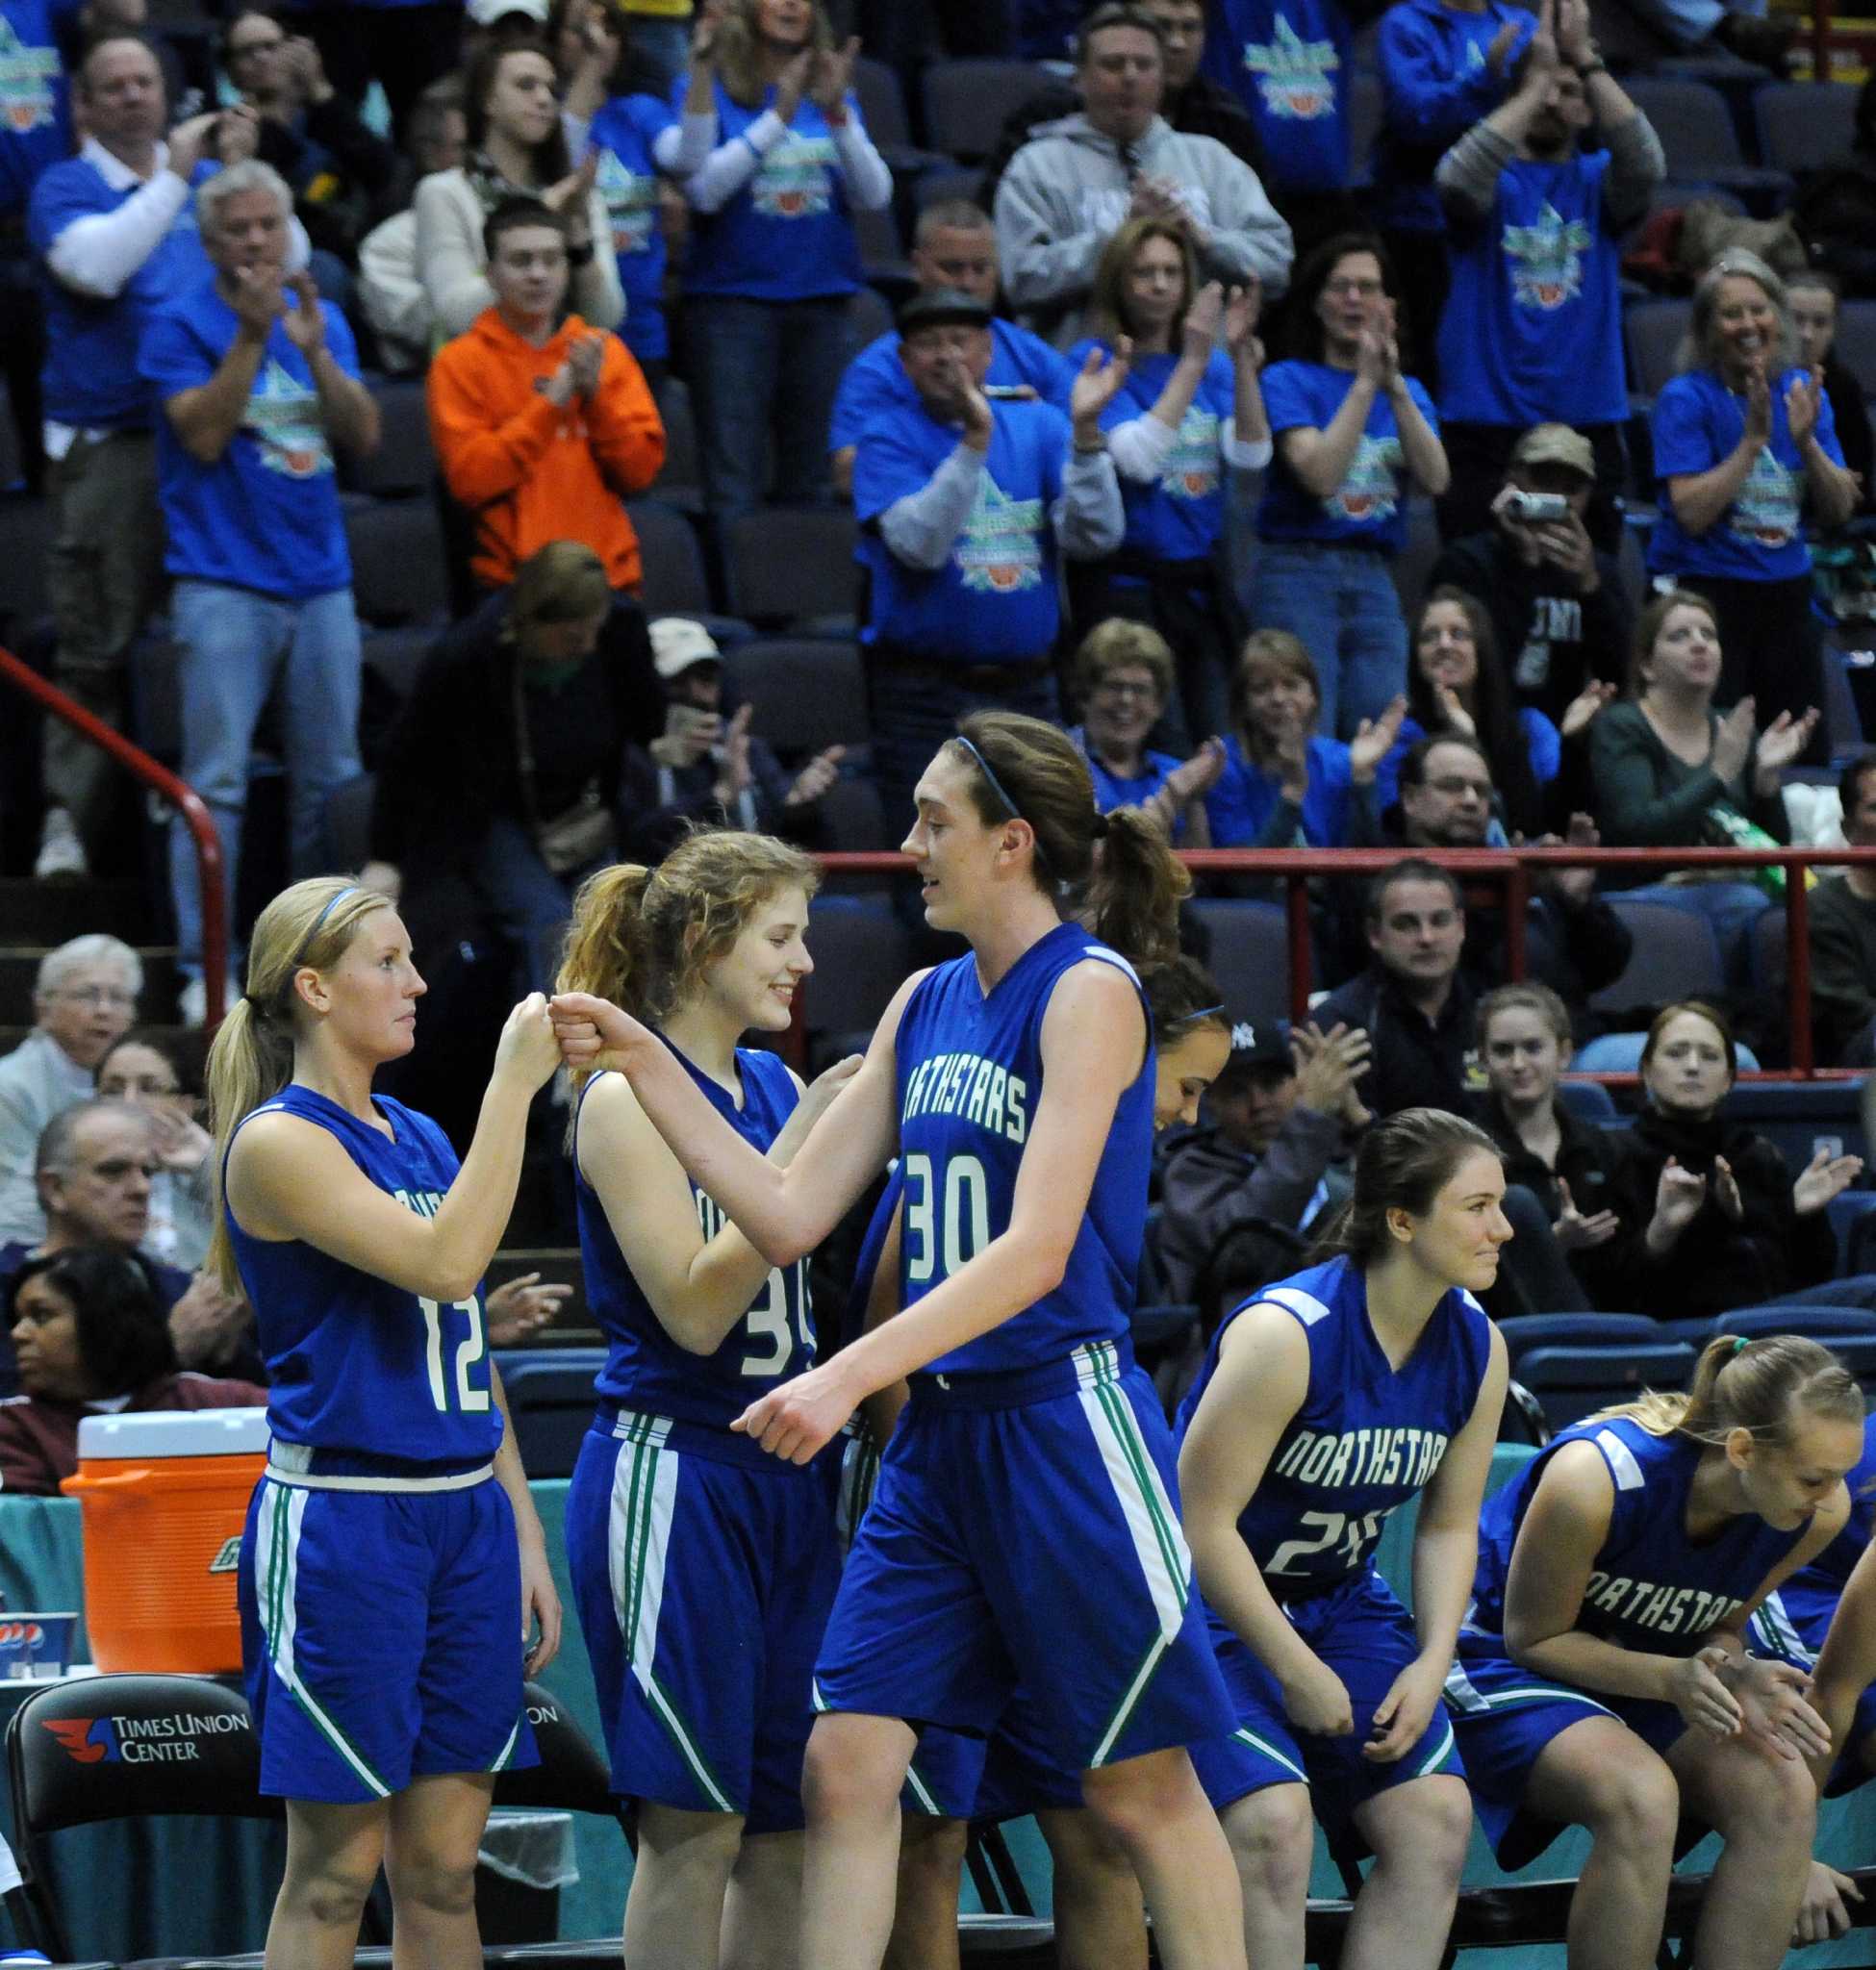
(356, 1363)
(773, 1342)
(969, 1083)
(1366, 1437)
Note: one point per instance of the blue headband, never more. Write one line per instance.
(996, 785)
(336, 899)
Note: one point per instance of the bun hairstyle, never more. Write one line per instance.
(305, 927)
(1752, 1385)
(1022, 768)
(1403, 1163)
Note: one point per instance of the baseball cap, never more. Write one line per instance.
(941, 308)
(1555, 444)
(486, 13)
(677, 643)
(1259, 1043)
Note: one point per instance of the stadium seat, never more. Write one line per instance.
(861, 955)
(349, 822)
(403, 461)
(1801, 1115)
(1571, 1383)
(397, 655)
(1526, 1331)
(1653, 333)
(550, 1398)
(679, 481)
(809, 693)
(1821, 1323)
(882, 104)
(1846, 1211)
(1856, 342)
(1587, 1101)
(1771, 964)
(1249, 955)
(868, 317)
(967, 103)
(855, 822)
(1698, 137)
(399, 574)
(939, 188)
(53, 1789)
(1843, 724)
(882, 252)
(1366, 109)
(1675, 957)
(1803, 126)
(792, 566)
(674, 580)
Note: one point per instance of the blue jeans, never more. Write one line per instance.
(1342, 603)
(235, 645)
(530, 901)
(763, 378)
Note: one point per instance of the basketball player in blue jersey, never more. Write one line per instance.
(1025, 1509)
(1100, 1920)
(393, 1561)
(1325, 1404)
(702, 1568)
(1602, 1677)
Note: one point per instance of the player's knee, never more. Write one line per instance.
(1636, 1803)
(932, 1849)
(1273, 1837)
(1088, 1860)
(329, 1892)
(1770, 1799)
(1440, 1832)
(434, 1883)
(1144, 1800)
(838, 1786)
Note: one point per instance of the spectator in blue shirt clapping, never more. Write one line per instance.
(1124, 680)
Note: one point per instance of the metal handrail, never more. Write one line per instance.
(1510, 870)
(181, 795)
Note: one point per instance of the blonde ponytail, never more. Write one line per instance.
(1749, 1385)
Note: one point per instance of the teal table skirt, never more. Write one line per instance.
(169, 1889)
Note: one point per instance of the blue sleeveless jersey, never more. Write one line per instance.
(356, 1363)
(1367, 1437)
(771, 1343)
(1650, 1589)
(970, 1082)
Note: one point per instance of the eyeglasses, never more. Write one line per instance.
(97, 995)
(1126, 687)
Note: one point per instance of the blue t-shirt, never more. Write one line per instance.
(1111, 791)
(1436, 83)
(1697, 422)
(876, 380)
(970, 1082)
(1180, 515)
(35, 103)
(1366, 1437)
(356, 1363)
(1370, 503)
(265, 514)
(1649, 1587)
(1544, 743)
(1245, 796)
(993, 600)
(787, 235)
(89, 379)
(622, 137)
(770, 1344)
(1532, 331)
(1287, 63)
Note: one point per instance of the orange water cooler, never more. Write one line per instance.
(164, 1497)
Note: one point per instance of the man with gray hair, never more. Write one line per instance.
(257, 381)
(83, 1002)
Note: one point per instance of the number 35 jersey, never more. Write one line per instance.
(356, 1363)
(773, 1342)
(1367, 1437)
(969, 1083)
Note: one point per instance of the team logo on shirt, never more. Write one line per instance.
(631, 203)
(283, 417)
(1667, 1610)
(969, 1085)
(1293, 74)
(1370, 491)
(1000, 550)
(794, 181)
(1547, 259)
(1192, 467)
(26, 81)
(1769, 503)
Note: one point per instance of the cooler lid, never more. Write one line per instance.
(174, 1433)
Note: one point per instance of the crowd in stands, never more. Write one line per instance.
(1169, 401)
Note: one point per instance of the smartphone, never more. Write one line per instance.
(1536, 506)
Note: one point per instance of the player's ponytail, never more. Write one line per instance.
(1750, 1385)
(1113, 870)
(605, 951)
(309, 924)
(1403, 1163)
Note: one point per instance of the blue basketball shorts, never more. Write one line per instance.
(381, 1633)
(957, 1777)
(1025, 1531)
(1361, 1631)
(1791, 1624)
(1503, 1716)
(702, 1572)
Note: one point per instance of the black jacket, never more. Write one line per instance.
(1585, 1159)
(1415, 1062)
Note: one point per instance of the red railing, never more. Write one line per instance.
(183, 798)
(1511, 872)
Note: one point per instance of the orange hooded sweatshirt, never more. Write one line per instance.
(530, 470)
